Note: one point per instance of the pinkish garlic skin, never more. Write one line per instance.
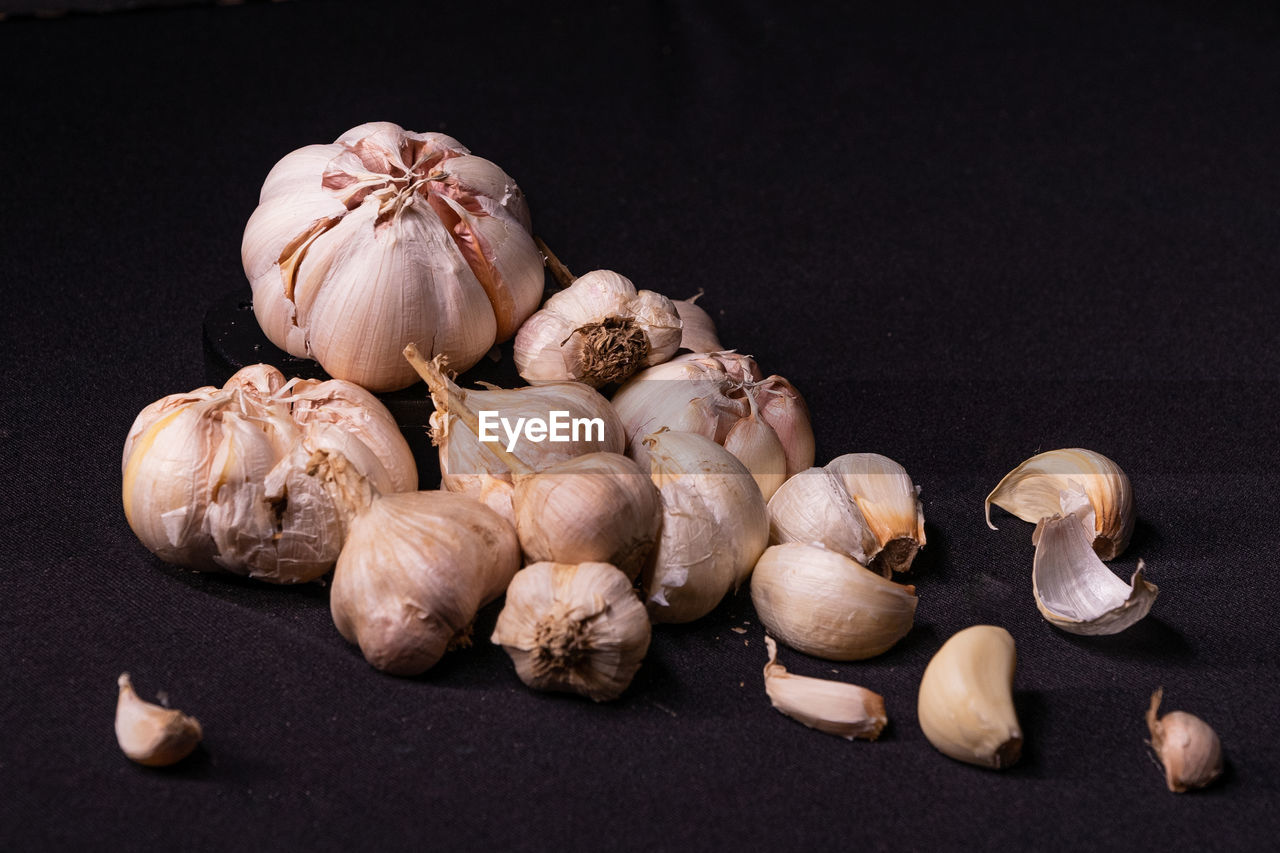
(698, 330)
(1188, 748)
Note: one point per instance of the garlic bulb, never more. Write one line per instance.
(384, 238)
(861, 504)
(151, 734)
(714, 526)
(416, 568)
(829, 706)
(826, 605)
(697, 329)
(1186, 745)
(574, 628)
(1074, 590)
(217, 479)
(709, 394)
(965, 703)
(1032, 492)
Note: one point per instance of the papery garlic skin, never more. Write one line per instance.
(387, 237)
(416, 568)
(965, 704)
(598, 330)
(151, 734)
(1188, 748)
(574, 628)
(714, 526)
(1032, 492)
(836, 708)
(824, 604)
(697, 329)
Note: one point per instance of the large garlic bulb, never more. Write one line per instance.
(384, 238)
(220, 479)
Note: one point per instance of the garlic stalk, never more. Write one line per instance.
(151, 734)
(574, 628)
(387, 237)
(697, 329)
(829, 706)
(824, 604)
(1186, 745)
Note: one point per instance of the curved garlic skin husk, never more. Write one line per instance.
(1031, 492)
(1186, 745)
(387, 237)
(834, 707)
(219, 479)
(824, 604)
(416, 568)
(151, 734)
(863, 505)
(598, 330)
(574, 628)
(965, 704)
(1074, 590)
(697, 329)
(714, 526)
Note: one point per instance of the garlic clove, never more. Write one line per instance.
(574, 628)
(784, 409)
(1031, 492)
(151, 734)
(824, 604)
(1186, 745)
(965, 704)
(812, 507)
(697, 329)
(829, 706)
(758, 447)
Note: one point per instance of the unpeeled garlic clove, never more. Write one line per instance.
(1186, 745)
(758, 446)
(151, 734)
(574, 628)
(965, 704)
(825, 604)
(829, 706)
(1032, 492)
(697, 329)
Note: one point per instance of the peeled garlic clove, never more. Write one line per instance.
(824, 604)
(1031, 492)
(833, 707)
(714, 526)
(697, 329)
(1186, 745)
(574, 628)
(965, 703)
(416, 568)
(151, 734)
(1074, 590)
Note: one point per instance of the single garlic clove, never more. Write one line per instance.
(1074, 590)
(824, 604)
(758, 447)
(574, 628)
(783, 408)
(697, 329)
(1186, 745)
(1031, 492)
(151, 734)
(829, 706)
(965, 704)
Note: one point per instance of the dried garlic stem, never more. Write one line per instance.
(558, 270)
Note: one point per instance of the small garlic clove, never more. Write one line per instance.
(846, 710)
(758, 447)
(1186, 745)
(783, 408)
(151, 734)
(965, 704)
(1031, 492)
(697, 329)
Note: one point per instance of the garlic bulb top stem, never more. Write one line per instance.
(558, 270)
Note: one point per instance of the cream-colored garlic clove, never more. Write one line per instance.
(863, 505)
(836, 708)
(151, 734)
(714, 526)
(1074, 590)
(697, 329)
(758, 447)
(416, 568)
(1186, 745)
(1031, 492)
(965, 703)
(574, 628)
(824, 604)
(598, 330)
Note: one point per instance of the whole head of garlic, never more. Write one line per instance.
(574, 627)
(1186, 745)
(217, 479)
(151, 734)
(387, 237)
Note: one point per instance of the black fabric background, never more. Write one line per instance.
(965, 235)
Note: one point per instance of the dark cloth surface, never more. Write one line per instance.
(965, 236)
